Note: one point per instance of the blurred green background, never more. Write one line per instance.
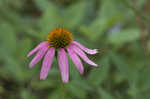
(118, 28)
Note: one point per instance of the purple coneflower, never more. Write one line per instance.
(61, 40)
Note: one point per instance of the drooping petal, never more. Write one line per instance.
(63, 65)
(47, 63)
(76, 60)
(38, 56)
(83, 55)
(89, 51)
(42, 44)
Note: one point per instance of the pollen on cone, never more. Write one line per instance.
(59, 38)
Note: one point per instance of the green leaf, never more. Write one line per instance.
(74, 74)
(23, 49)
(103, 21)
(57, 94)
(124, 36)
(119, 62)
(148, 45)
(99, 74)
(104, 94)
(50, 19)
(76, 91)
(43, 5)
(74, 14)
(26, 94)
(9, 39)
(11, 65)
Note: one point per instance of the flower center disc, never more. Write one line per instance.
(59, 38)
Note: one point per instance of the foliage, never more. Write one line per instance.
(108, 25)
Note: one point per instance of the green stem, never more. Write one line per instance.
(63, 91)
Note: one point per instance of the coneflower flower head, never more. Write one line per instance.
(61, 40)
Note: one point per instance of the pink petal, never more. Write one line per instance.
(38, 56)
(89, 51)
(76, 60)
(42, 44)
(83, 55)
(63, 65)
(47, 63)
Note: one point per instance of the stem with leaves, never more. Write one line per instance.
(142, 24)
